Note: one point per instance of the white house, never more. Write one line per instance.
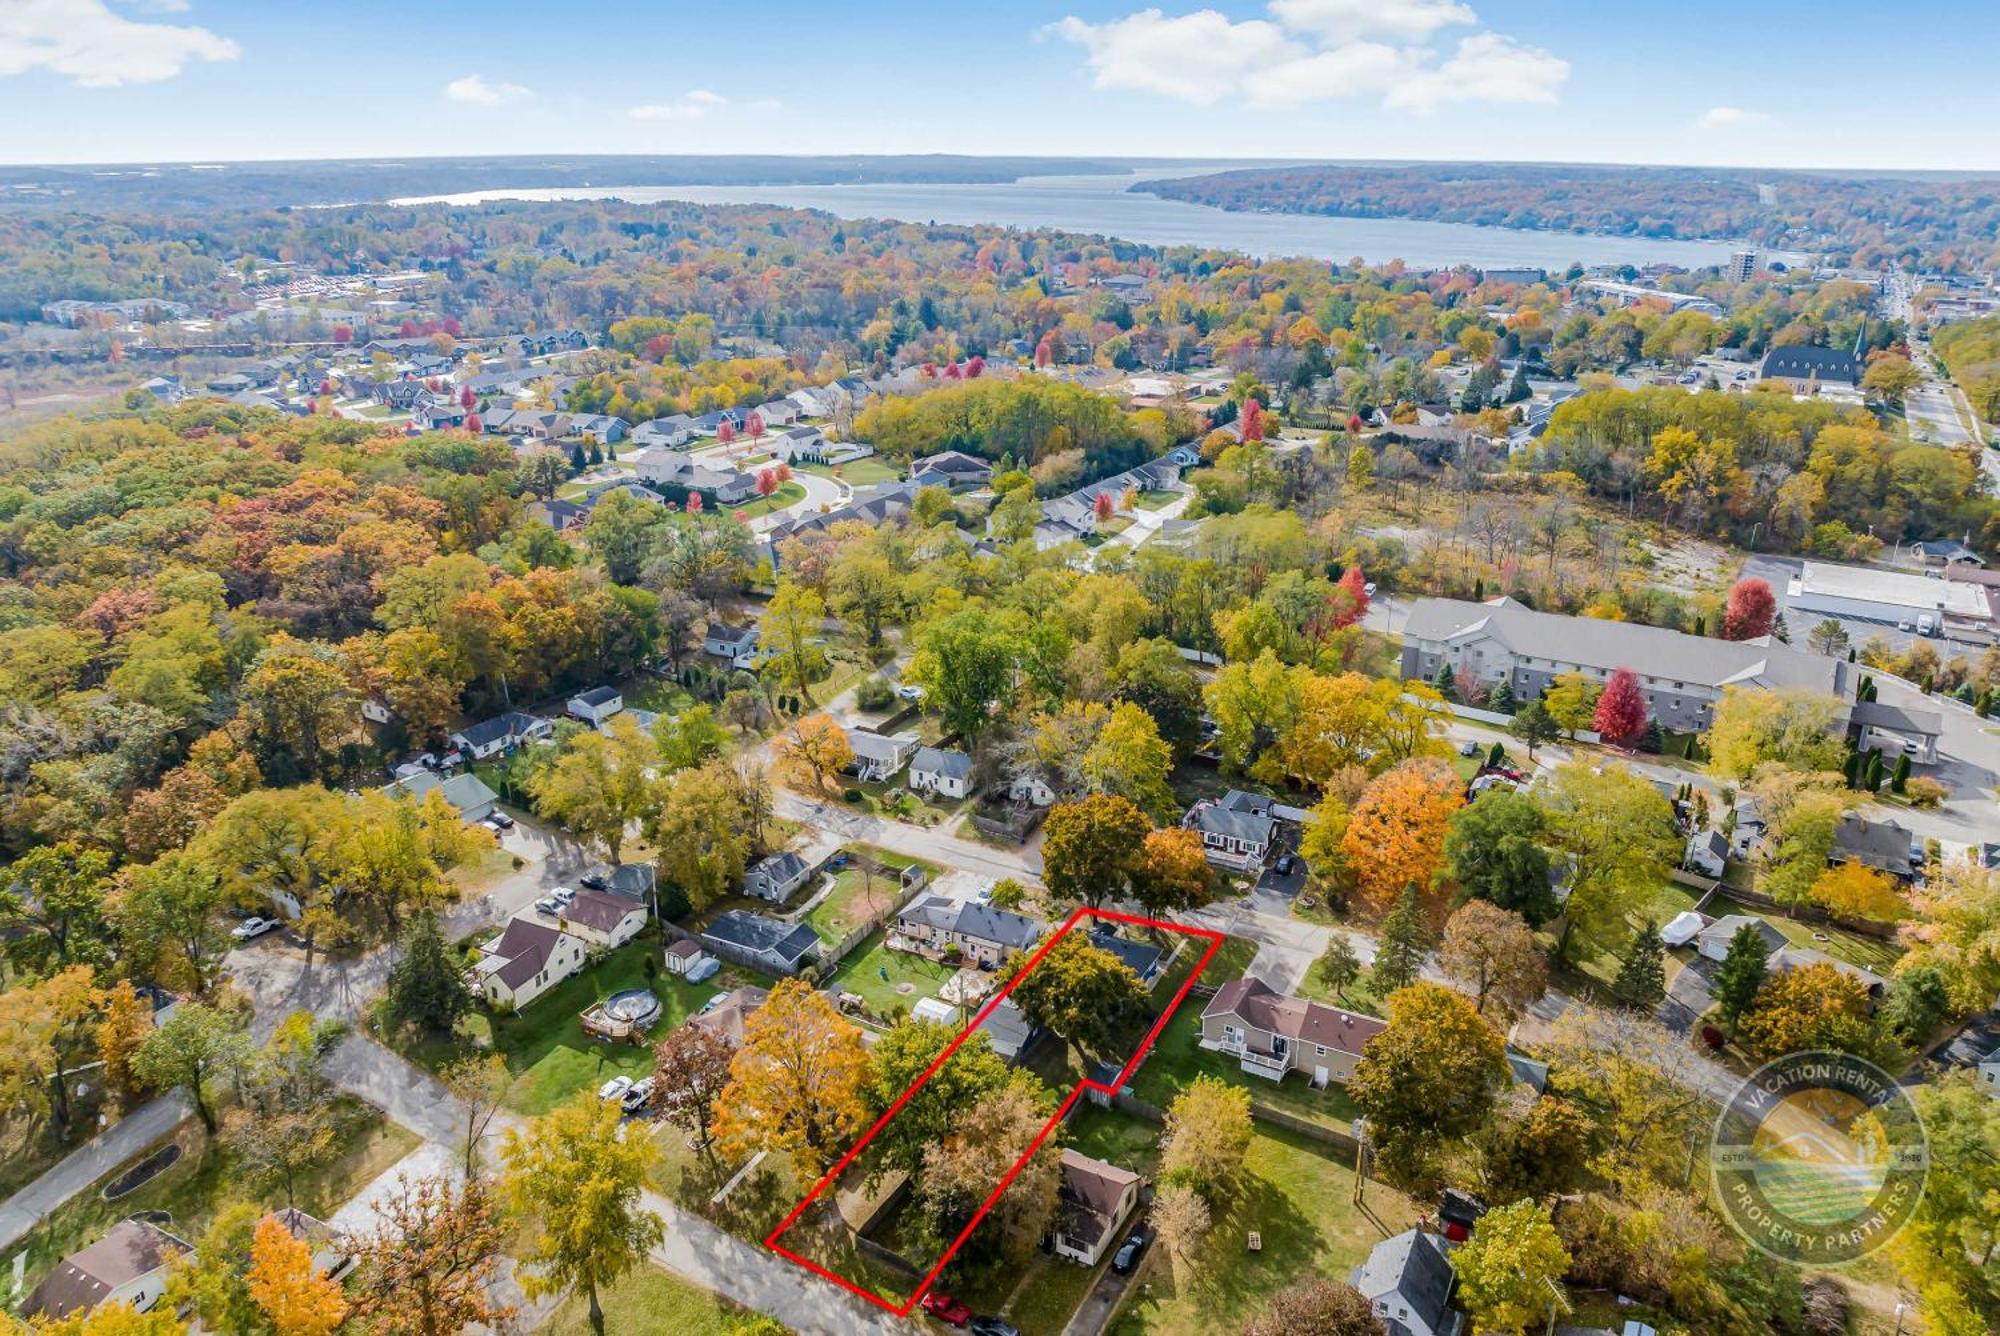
(668, 432)
(1707, 853)
(877, 757)
(129, 1264)
(526, 961)
(735, 645)
(685, 956)
(1989, 1073)
(501, 734)
(1094, 1202)
(1408, 1281)
(944, 771)
(1029, 787)
(776, 877)
(596, 705)
(777, 413)
(604, 919)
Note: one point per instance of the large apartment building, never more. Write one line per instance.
(1682, 675)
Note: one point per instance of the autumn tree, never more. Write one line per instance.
(1539, 1153)
(1130, 760)
(1750, 727)
(934, 1108)
(428, 1264)
(965, 662)
(128, 1019)
(1087, 847)
(214, 1283)
(52, 907)
(600, 783)
(816, 746)
(1618, 838)
(798, 1084)
(1182, 1217)
(1495, 955)
(48, 1027)
(792, 624)
(169, 922)
(1494, 851)
(1508, 1269)
(478, 1083)
(1316, 1306)
(575, 1178)
(701, 825)
(1570, 701)
(1621, 713)
(1171, 872)
(1431, 1074)
(191, 1050)
(1395, 837)
(1809, 1007)
(299, 700)
(961, 1170)
(1208, 1135)
(1857, 891)
(1082, 994)
(295, 1298)
(1750, 611)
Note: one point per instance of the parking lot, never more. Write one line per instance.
(1778, 572)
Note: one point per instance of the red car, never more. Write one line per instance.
(946, 1309)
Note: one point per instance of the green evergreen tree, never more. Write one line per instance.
(1642, 978)
(1502, 700)
(1901, 778)
(1338, 966)
(1479, 590)
(576, 459)
(1405, 941)
(1852, 769)
(1871, 778)
(1496, 755)
(426, 987)
(1651, 740)
(1740, 975)
(1444, 682)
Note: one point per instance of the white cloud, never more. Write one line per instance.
(1318, 49)
(1728, 118)
(1201, 57)
(688, 107)
(478, 91)
(1487, 67)
(1345, 20)
(85, 41)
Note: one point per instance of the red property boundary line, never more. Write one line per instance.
(1214, 939)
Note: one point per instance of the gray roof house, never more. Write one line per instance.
(1882, 845)
(761, 943)
(776, 877)
(943, 770)
(878, 756)
(1408, 1281)
(470, 795)
(1682, 676)
(1238, 829)
(983, 934)
(129, 1264)
(1713, 941)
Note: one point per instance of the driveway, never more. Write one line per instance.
(1094, 1313)
(1688, 996)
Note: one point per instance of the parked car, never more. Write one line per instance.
(549, 905)
(1468, 748)
(1286, 863)
(952, 1312)
(563, 896)
(635, 1098)
(1369, 589)
(254, 926)
(499, 821)
(993, 1326)
(909, 692)
(593, 881)
(615, 1088)
(1134, 1248)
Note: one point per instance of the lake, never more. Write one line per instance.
(1104, 206)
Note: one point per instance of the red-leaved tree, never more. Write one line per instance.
(767, 481)
(1621, 710)
(1104, 507)
(1354, 599)
(1045, 352)
(1253, 420)
(974, 367)
(466, 398)
(726, 433)
(1354, 422)
(754, 425)
(694, 503)
(1751, 610)
(474, 424)
(783, 470)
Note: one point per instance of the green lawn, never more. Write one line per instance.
(1176, 1060)
(1298, 1199)
(1156, 500)
(1116, 1138)
(887, 979)
(648, 1299)
(659, 695)
(789, 493)
(1232, 958)
(545, 1046)
(204, 1178)
(1851, 947)
(857, 898)
(864, 472)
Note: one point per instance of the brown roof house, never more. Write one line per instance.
(129, 1264)
(1272, 1034)
(604, 919)
(526, 961)
(727, 1013)
(1095, 1201)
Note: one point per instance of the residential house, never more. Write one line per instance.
(799, 445)
(1239, 830)
(1803, 366)
(777, 413)
(711, 424)
(501, 734)
(1713, 941)
(469, 795)
(635, 881)
(761, 943)
(727, 1014)
(1989, 1073)
(554, 341)
(1408, 1281)
(1681, 676)
(874, 507)
(1707, 853)
(776, 877)
(877, 757)
(166, 389)
(818, 401)
(596, 705)
(1074, 517)
(439, 417)
(944, 771)
(932, 924)
(734, 645)
(1142, 959)
(559, 514)
(1094, 1201)
(727, 487)
(1031, 788)
(1798, 957)
(1008, 1031)
(953, 469)
(604, 919)
(128, 1264)
(669, 433)
(1273, 1034)
(1946, 552)
(525, 961)
(1882, 845)
(599, 427)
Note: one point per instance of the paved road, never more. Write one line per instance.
(88, 1163)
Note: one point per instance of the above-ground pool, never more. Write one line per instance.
(636, 1006)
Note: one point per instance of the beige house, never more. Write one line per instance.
(604, 919)
(1095, 1199)
(931, 924)
(128, 1265)
(526, 961)
(1272, 1034)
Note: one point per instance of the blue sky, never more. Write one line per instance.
(1782, 83)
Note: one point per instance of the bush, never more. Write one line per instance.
(850, 795)
(1923, 791)
(874, 693)
(1826, 1305)
(1713, 1037)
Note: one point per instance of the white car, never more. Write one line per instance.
(615, 1088)
(636, 1096)
(907, 692)
(253, 927)
(563, 896)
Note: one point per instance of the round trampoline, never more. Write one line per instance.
(635, 1007)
